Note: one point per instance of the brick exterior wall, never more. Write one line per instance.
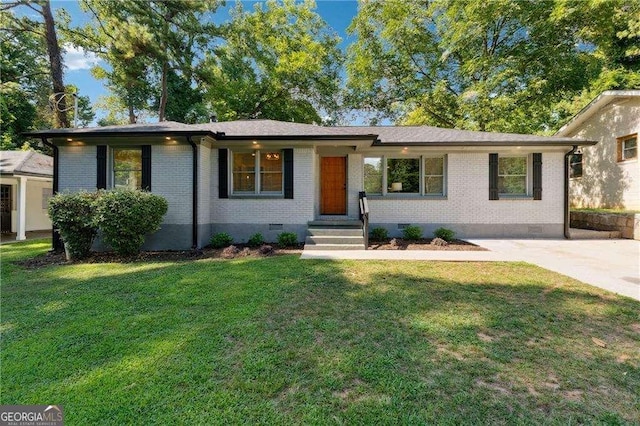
(264, 211)
(171, 177)
(77, 168)
(467, 202)
(605, 182)
(466, 208)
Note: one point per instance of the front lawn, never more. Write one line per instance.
(281, 340)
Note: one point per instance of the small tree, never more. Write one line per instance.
(125, 216)
(73, 215)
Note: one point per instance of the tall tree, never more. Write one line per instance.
(499, 65)
(47, 28)
(280, 61)
(143, 42)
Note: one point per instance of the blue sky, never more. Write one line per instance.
(337, 13)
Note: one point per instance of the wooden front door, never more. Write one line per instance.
(333, 185)
(5, 208)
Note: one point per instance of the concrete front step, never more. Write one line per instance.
(333, 247)
(347, 232)
(334, 235)
(590, 234)
(335, 223)
(335, 239)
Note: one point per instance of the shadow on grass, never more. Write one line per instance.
(282, 341)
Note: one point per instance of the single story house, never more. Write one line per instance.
(244, 177)
(26, 184)
(606, 175)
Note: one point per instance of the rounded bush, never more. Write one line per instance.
(379, 234)
(221, 240)
(445, 234)
(412, 232)
(256, 240)
(126, 216)
(73, 215)
(287, 239)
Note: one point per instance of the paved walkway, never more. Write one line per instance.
(610, 264)
(31, 235)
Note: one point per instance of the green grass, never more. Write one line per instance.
(284, 341)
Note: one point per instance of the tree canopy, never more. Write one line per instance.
(31, 64)
(280, 61)
(502, 65)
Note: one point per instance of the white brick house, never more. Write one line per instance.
(266, 176)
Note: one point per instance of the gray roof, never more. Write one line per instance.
(26, 163)
(418, 135)
(272, 129)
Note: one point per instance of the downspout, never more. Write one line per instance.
(194, 198)
(567, 216)
(56, 242)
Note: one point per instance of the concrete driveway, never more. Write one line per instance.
(610, 264)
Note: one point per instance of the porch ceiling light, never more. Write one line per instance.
(273, 156)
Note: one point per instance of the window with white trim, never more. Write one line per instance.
(512, 175)
(421, 175)
(257, 172)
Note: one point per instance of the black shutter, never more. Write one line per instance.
(101, 169)
(493, 177)
(537, 176)
(223, 173)
(288, 172)
(146, 167)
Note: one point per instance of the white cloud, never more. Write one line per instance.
(75, 58)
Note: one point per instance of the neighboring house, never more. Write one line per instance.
(607, 175)
(26, 184)
(244, 177)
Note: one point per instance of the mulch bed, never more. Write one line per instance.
(423, 244)
(243, 251)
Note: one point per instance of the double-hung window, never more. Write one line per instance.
(257, 172)
(127, 168)
(576, 165)
(423, 175)
(628, 147)
(512, 175)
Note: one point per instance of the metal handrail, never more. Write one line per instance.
(364, 217)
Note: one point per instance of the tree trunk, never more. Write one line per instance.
(132, 114)
(55, 64)
(163, 95)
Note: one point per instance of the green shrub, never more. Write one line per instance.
(412, 232)
(125, 216)
(445, 234)
(221, 239)
(256, 240)
(287, 239)
(73, 215)
(379, 234)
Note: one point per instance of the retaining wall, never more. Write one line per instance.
(627, 223)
